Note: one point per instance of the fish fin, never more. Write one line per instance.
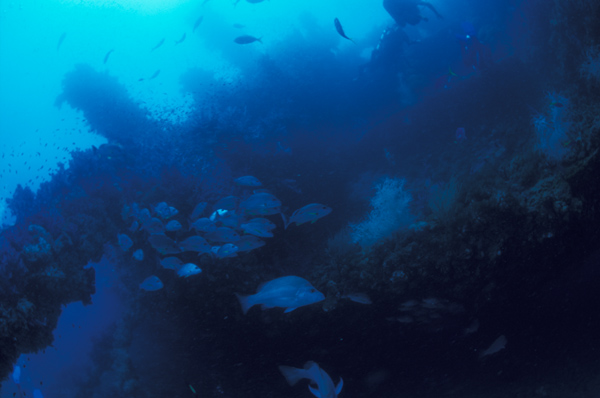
(315, 391)
(291, 374)
(338, 388)
(289, 310)
(286, 220)
(244, 302)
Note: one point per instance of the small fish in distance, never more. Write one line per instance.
(247, 39)
(340, 30)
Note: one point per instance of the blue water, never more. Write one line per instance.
(426, 171)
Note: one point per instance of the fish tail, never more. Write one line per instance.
(292, 375)
(245, 302)
(260, 40)
(286, 221)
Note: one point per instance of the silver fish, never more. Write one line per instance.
(227, 250)
(188, 269)
(289, 292)
(311, 212)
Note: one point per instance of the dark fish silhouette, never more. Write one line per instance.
(151, 77)
(60, 40)
(198, 22)
(108, 54)
(160, 43)
(247, 39)
(340, 30)
(180, 40)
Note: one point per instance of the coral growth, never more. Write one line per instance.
(552, 127)
(390, 213)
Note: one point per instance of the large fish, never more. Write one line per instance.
(311, 212)
(260, 227)
(188, 269)
(173, 226)
(340, 30)
(163, 244)
(289, 292)
(247, 39)
(203, 225)
(317, 376)
(195, 244)
(262, 203)
(154, 226)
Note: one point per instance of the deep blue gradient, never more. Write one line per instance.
(433, 172)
